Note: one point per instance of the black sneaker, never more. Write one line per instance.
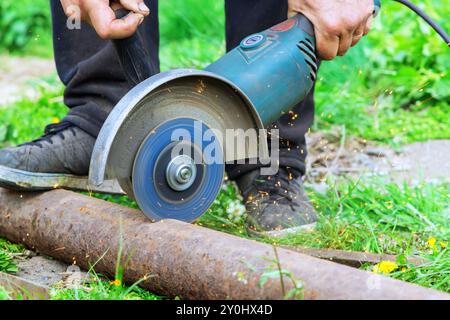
(277, 205)
(59, 159)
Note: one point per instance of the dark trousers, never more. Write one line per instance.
(94, 80)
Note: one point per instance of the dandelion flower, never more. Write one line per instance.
(385, 267)
(432, 242)
(116, 283)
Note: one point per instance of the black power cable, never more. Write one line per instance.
(428, 19)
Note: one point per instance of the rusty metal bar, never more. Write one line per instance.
(26, 289)
(181, 259)
(353, 259)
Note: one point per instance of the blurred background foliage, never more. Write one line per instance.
(25, 26)
(394, 87)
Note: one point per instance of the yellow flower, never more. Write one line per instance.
(443, 244)
(432, 242)
(116, 283)
(55, 120)
(385, 267)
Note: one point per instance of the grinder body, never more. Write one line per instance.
(276, 68)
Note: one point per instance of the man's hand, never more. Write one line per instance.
(100, 15)
(339, 24)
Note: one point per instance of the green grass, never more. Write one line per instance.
(386, 218)
(394, 87)
(25, 27)
(25, 120)
(7, 263)
(371, 216)
(193, 35)
(378, 217)
(5, 245)
(435, 274)
(100, 288)
(94, 287)
(4, 294)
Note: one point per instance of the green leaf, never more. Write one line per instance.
(441, 89)
(401, 260)
(266, 276)
(3, 131)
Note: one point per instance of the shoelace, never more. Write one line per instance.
(50, 131)
(277, 188)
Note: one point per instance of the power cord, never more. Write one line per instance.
(428, 19)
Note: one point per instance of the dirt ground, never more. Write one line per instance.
(48, 272)
(332, 153)
(17, 74)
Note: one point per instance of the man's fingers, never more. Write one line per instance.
(104, 21)
(100, 16)
(368, 25)
(345, 42)
(293, 8)
(137, 6)
(327, 46)
(362, 30)
(356, 39)
(124, 28)
(358, 34)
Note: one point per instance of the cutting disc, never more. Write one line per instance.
(177, 178)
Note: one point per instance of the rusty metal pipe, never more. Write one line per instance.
(183, 260)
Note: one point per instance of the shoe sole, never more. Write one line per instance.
(285, 232)
(19, 180)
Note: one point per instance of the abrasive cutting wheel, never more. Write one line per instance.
(177, 179)
(165, 142)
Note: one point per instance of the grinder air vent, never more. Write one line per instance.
(310, 57)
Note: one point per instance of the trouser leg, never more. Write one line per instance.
(90, 69)
(244, 17)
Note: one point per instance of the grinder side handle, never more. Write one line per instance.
(134, 57)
